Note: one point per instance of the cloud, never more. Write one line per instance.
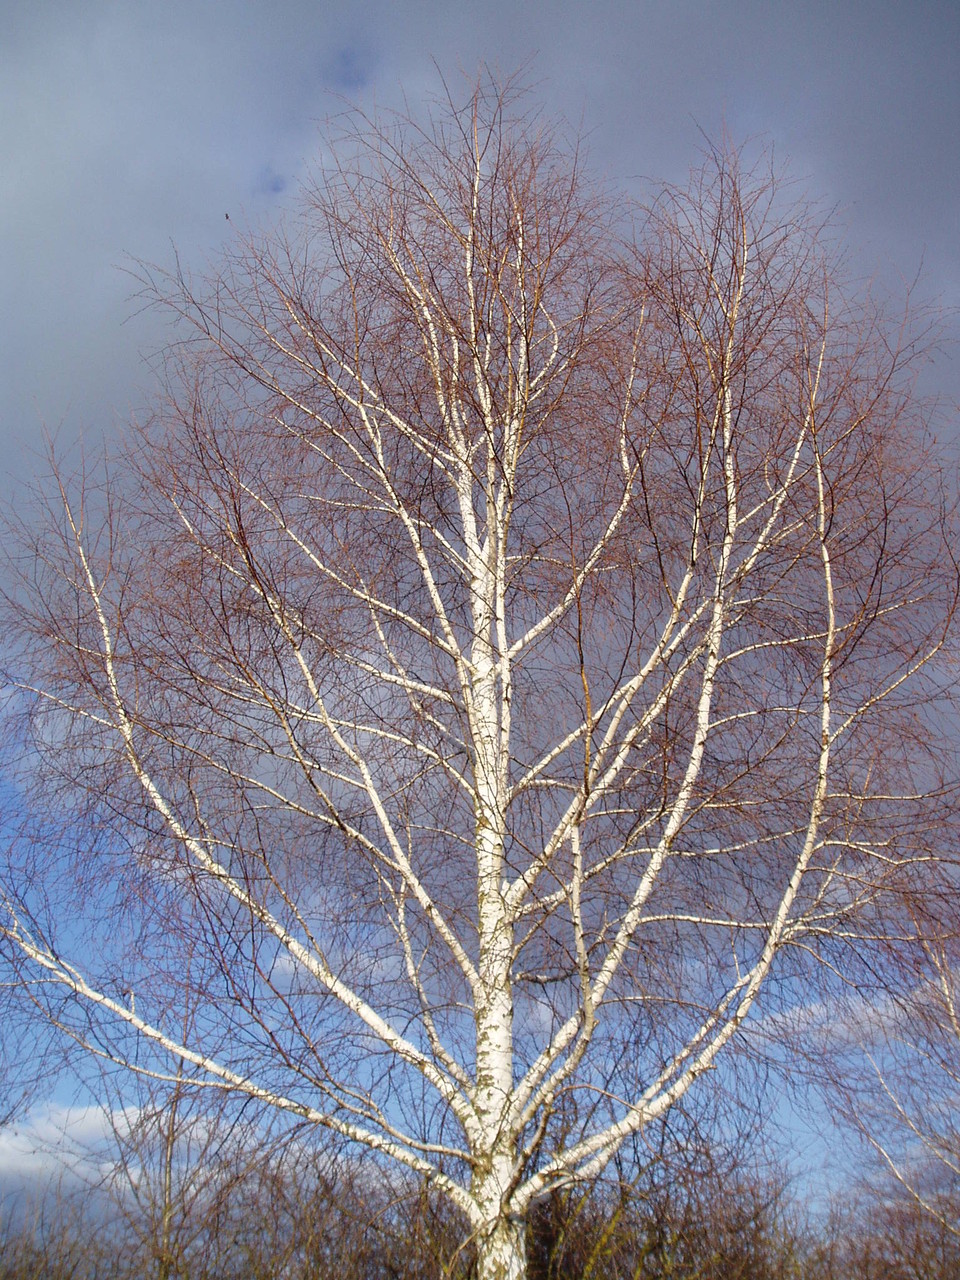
(126, 127)
(58, 1144)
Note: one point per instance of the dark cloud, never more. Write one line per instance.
(349, 69)
(269, 182)
(128, 126)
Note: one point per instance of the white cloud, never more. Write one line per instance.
(57, 1141)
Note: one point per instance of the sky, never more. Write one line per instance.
(131, 129)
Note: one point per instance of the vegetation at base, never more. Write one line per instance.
(274, 1221)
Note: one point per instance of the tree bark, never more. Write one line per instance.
(502, 1251)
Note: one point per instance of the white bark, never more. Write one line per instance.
(502, 1251)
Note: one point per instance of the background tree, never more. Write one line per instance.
(172, 1168)
(510, 651)
(894, 1071)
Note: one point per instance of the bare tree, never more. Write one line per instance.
(171, 1171)
(895, 1075)
(509, 652)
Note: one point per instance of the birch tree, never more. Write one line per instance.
(504, 665)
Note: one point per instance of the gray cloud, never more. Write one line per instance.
(130, 125)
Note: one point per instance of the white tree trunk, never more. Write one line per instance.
(502, 1251)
